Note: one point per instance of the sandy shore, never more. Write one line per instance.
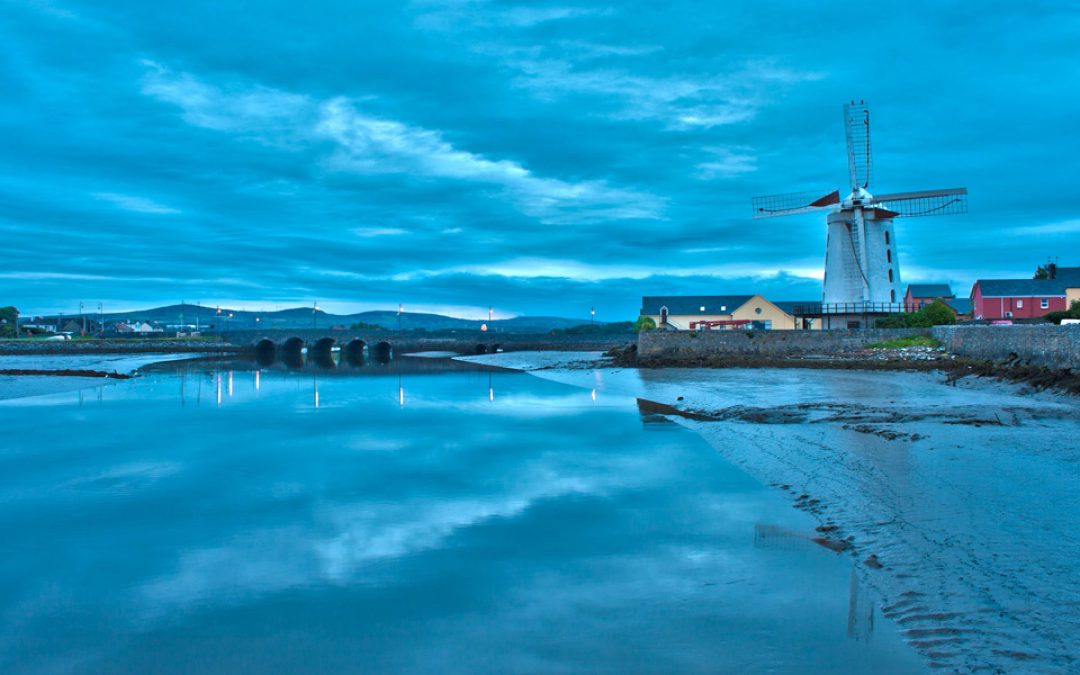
(22, 386)
(958, 499)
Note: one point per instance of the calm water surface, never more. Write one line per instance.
(243, 521)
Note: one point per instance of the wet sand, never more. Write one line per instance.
(53, 374)
(959, 502)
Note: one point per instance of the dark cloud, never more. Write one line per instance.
(543, 157)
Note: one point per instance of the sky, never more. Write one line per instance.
(541, 158)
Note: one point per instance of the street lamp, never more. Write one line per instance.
(592, 315)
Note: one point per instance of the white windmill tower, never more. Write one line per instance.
(862, 272)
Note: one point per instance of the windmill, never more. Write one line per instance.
(861, 265)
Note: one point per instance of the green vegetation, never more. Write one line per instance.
(8, 317)
(900, 343)
(644, 323)
(1041, 272)
(361, 325)
(937, 313)
(613, 328)
(1073, 312)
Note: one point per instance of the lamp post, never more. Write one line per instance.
(592, 315)
(400, 309)
(82, 318)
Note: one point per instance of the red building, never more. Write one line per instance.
(919, 295)
(1016, 298)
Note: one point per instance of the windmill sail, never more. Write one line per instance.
(857, 131)
(793, 202)
(925, 202)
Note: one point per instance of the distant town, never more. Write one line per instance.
(1052, 294)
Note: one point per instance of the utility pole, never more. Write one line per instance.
(101, 319)
(82, 316)
(400, 309)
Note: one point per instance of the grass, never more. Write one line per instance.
(900, 343)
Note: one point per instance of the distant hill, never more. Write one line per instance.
(210, 319)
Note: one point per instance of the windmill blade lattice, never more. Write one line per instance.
(792, 203)
(857, 131)
(943, 202)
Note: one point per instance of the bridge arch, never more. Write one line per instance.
(265, 351)
(322, 352)
(353, 352)
(292, 352)
(382, 352)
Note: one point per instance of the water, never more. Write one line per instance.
(400, 521)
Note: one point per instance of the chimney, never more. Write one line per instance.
(1051, 270)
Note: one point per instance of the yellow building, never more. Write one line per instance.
(1071, 295)
(717, 312)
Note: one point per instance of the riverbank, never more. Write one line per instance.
(31, 347)
(955, 497)
(917, 359)
(24, 375)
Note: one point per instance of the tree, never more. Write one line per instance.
(644, 323)
(937, 313)
(8, 318)
(1041, 272)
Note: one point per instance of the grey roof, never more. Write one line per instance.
(930, 291)
(692, 304)
(790, 305)
(959, 305)
(1020, 288)
(1070, 276)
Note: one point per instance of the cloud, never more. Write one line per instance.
(366, 144)
(135, 204)
(378, 231)
(725, 163)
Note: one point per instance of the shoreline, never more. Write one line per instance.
(925, 483)
(955, 368)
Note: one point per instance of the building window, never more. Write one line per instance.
(890, 275)
(1044, 303)
(886, 237)
(888, 255)
(723, 308)
(1019, 304)
(892, 295)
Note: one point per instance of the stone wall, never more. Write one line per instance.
(684, 346)
(1037, 345)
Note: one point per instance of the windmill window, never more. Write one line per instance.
(888, 255)
(890, 275)
(886, 237)
(892, 295)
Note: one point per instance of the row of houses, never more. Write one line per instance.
(990, 299)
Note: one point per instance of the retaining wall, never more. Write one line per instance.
(671, 346)
(1037, 345)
